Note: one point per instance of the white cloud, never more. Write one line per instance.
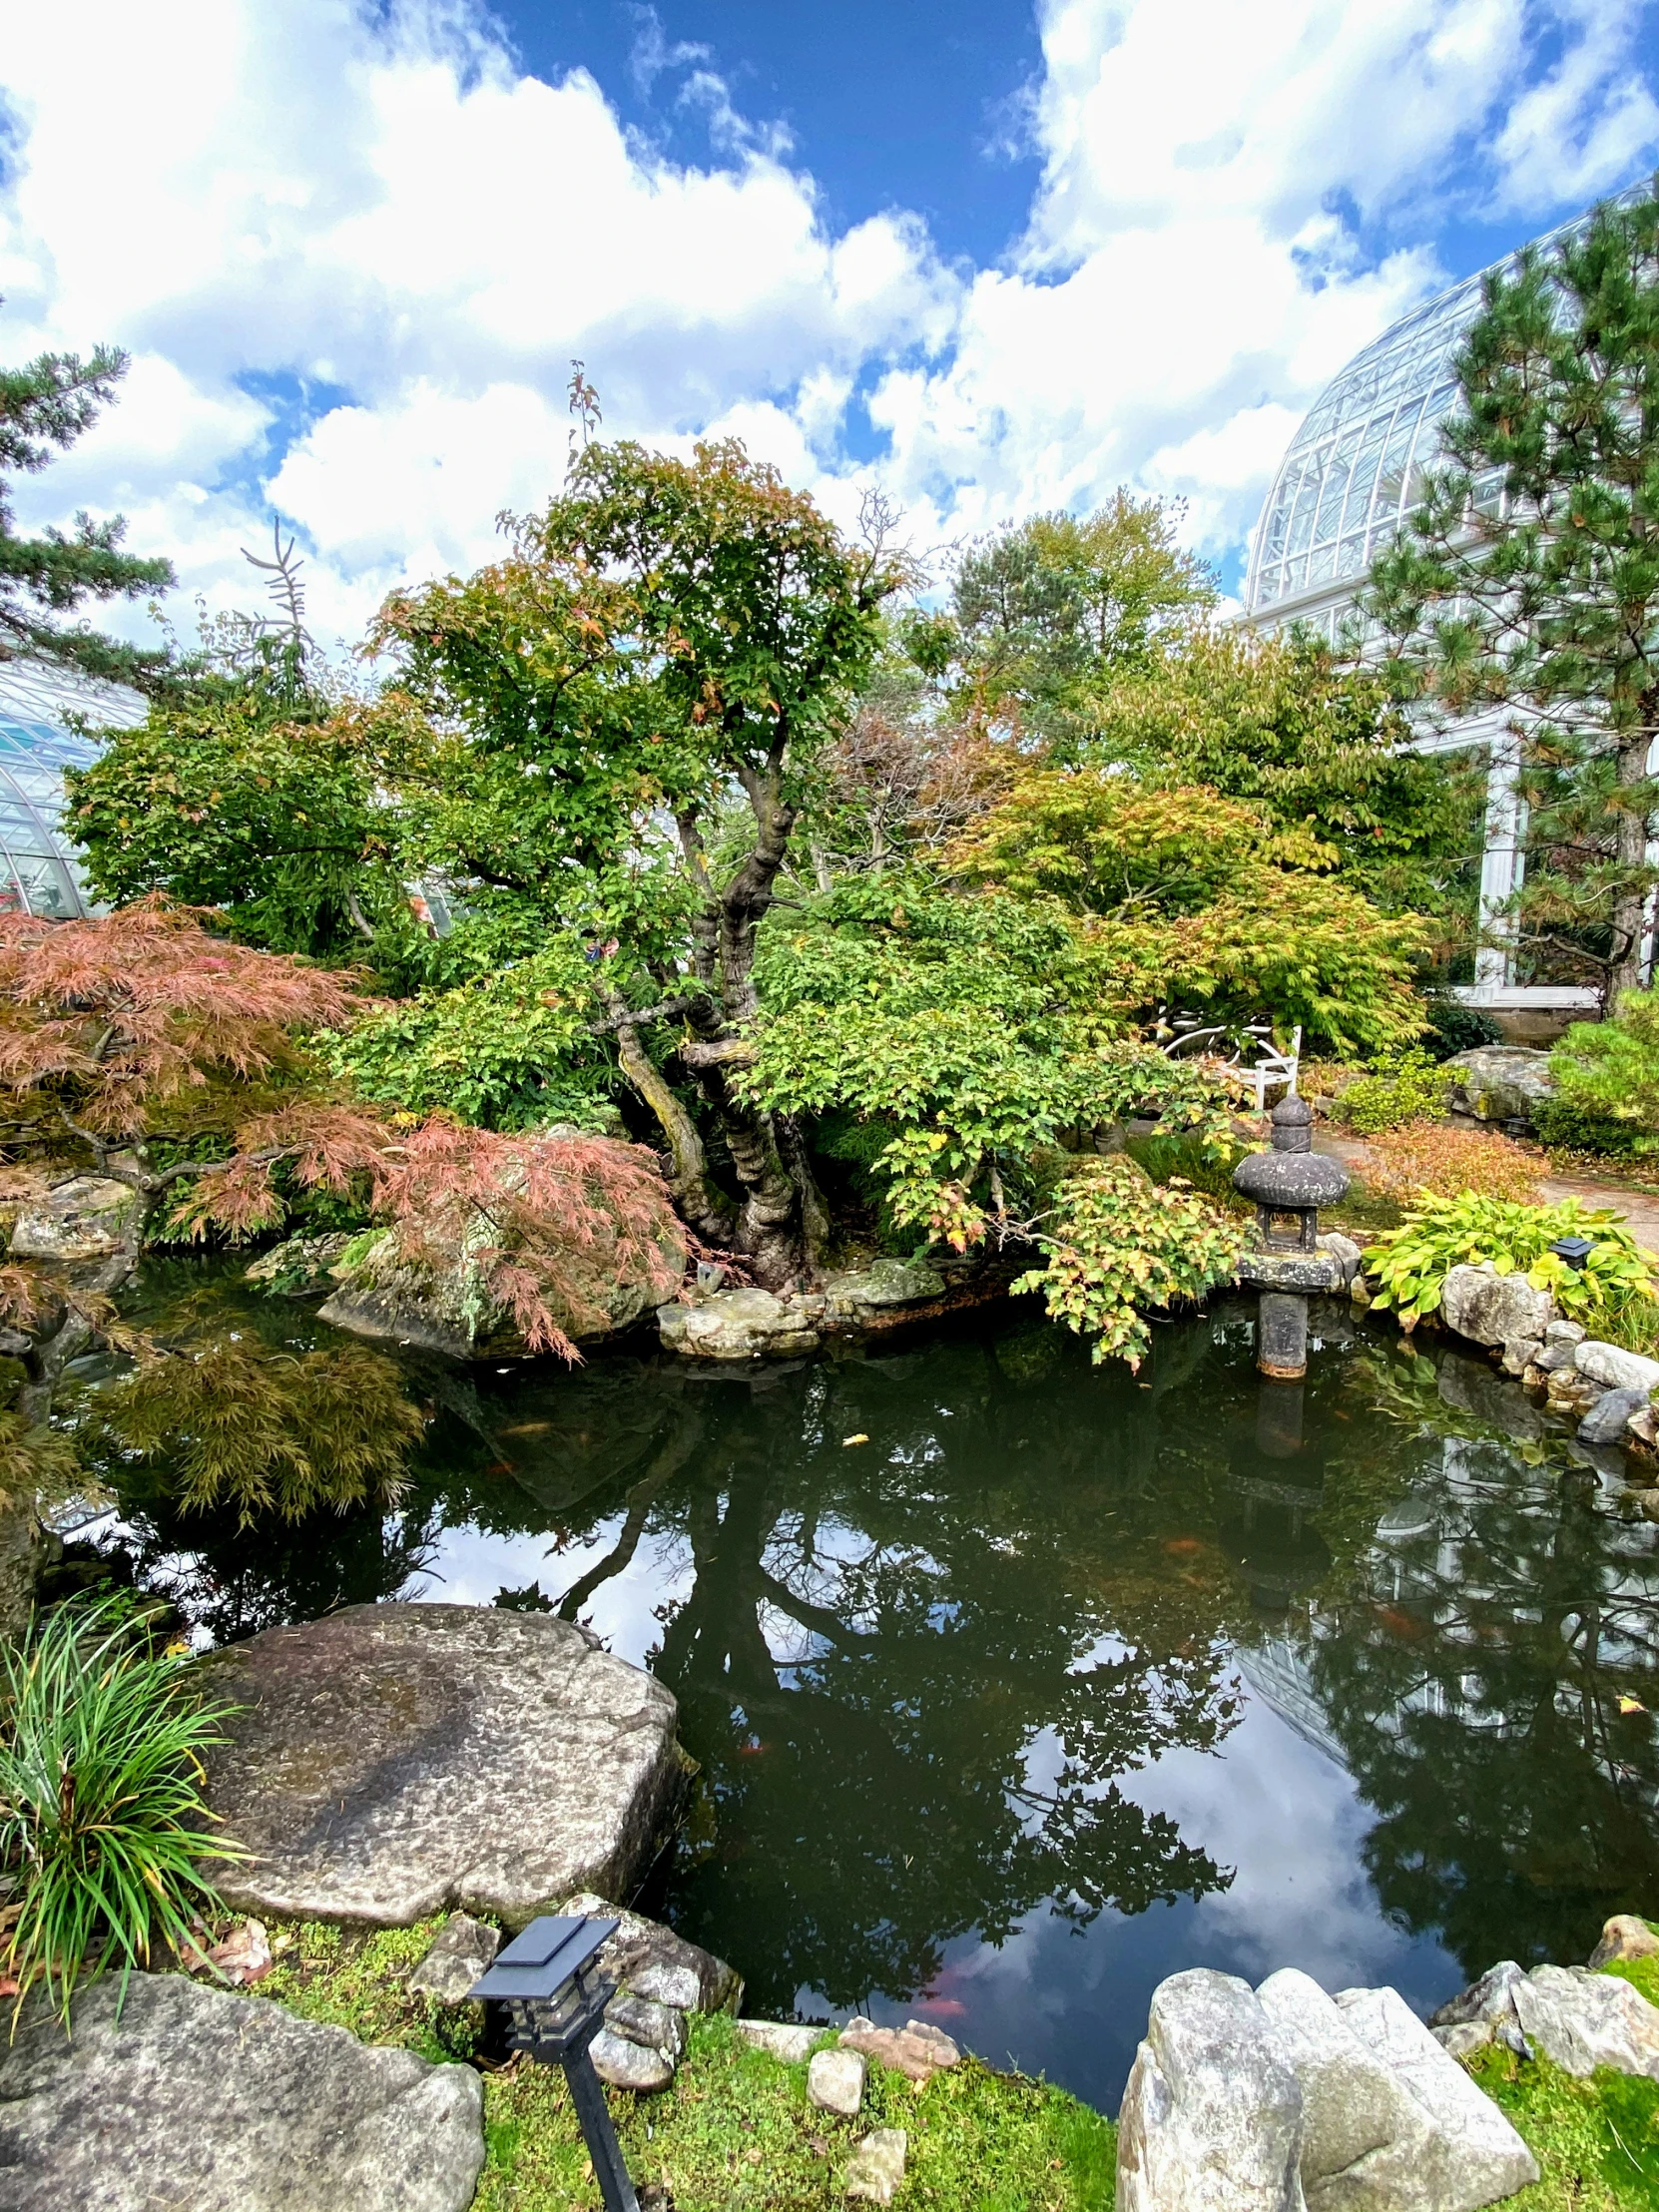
(387, 208)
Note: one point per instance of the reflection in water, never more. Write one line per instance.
(1064, 1679)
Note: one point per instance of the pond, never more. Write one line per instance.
(1017, 1684)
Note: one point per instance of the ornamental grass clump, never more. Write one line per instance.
(104, 1834)
(1613, 1290)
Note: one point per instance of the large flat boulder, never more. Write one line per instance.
(394, 1759)
(200, 2102)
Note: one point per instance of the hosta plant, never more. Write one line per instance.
(1117, 1243)
(104, 1834)
(1407, 1268)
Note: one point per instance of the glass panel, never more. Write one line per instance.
(1321, 563)
(1351, 555)
(46, 886)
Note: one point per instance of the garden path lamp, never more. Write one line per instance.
(549, 1981)
(1289, 1185)
(1574, 1249)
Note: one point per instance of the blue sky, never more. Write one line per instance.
(987, 258)
(910, 106)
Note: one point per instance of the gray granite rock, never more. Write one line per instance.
(650, 1961)
(1212, 2114)
(301, 1265)
(1469, 2154)
(622, 2063)
(1465, 2037)
(737, 1325)
(1614, 1367)
(1494, 1308)
(88, 1218)
(1343, 1251)
(201, 2101)
(835, 2082)
(1499, 1082)
(1624, 1936)
(1385, 2128)
(391, 1760)
(783, 2039)
(1609, 1416)
(875, 2170)
(464, 1951)
(1353, 2106)
(1489, 2004)
(658, 2027)
(1521, 1352)
(1582, 2019)
(885, 1283)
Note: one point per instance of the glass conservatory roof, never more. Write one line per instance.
(39, 873)
(1356, 466)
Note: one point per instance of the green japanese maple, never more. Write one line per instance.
(639, 689)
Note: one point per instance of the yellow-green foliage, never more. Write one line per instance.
(733, 2133)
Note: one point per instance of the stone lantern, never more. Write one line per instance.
(1289, 1185)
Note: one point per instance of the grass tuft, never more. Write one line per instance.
(103, 1829)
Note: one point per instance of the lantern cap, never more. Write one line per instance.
(539, 1963)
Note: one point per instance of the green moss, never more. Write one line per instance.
(1596, 2141)
(359, 1978)
(733, 2132)
(1641, 1974)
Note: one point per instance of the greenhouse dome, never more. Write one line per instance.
(39, 867)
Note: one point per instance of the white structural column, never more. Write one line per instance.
(1501, 864)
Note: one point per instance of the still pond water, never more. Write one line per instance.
(1054, 1680)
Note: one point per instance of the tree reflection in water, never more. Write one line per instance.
(921, 1675)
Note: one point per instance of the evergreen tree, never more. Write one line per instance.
(1527, 580)
(44, 408)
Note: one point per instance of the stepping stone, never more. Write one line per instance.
(392, 1760)
(198, 2100)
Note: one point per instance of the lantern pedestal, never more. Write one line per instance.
(1289, 1185)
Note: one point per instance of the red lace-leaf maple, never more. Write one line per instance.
(547, 1223)
(124, 1015)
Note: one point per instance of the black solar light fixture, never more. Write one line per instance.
(1574, 1249)
(549, 1981)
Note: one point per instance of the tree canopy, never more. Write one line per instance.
(1526, 581)
(44, 408)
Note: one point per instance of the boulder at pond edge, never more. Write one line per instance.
(392, 1760)
(201, 2101)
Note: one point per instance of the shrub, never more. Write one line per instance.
(1411, 1087)
(1441, 1160)
(1117, 1242)
(1409, 1266)
(103, 1830)
(1454, 1027)
(1606, 1076)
